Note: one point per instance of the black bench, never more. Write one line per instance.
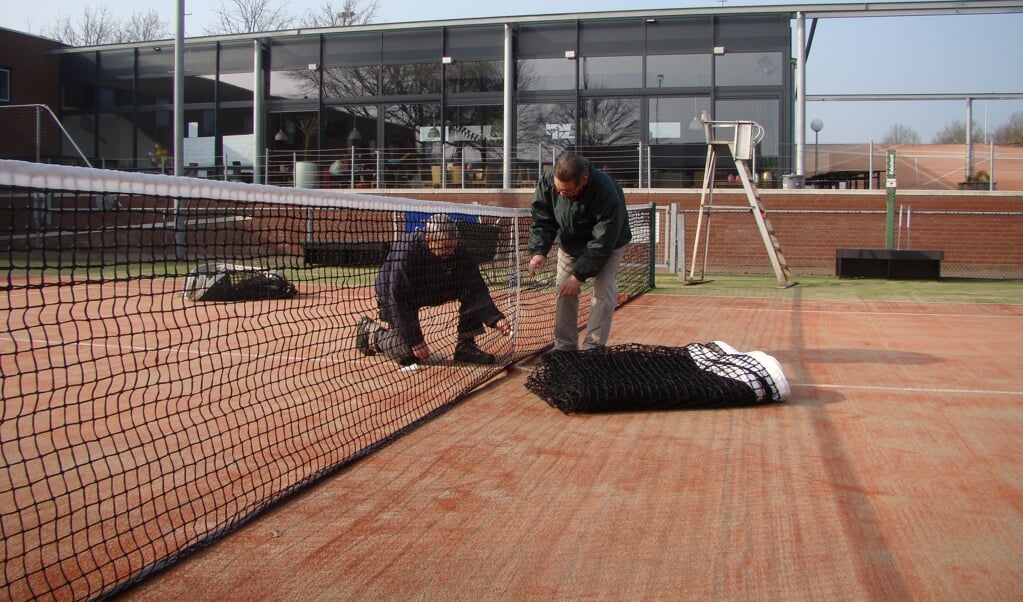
(891, 264)
(344, 253)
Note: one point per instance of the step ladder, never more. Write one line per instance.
(740, 139)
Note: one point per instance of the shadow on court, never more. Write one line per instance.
(892, 473)
(858, 356)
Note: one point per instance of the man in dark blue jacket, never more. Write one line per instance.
(583, 210)
(424, 269)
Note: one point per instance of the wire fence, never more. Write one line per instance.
(36, 135)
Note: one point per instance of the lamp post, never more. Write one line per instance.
(657, 105)
(816, 125)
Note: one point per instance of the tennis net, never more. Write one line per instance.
(180, 354)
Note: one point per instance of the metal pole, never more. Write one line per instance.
(870, 166)
(890, 185)
(179, 88)
(815, 153)
(258, 110)
(652, 267)
(991, 171)
(969, 139)
(800, 124)
(179, 124)
(509, 89)
(39, 133)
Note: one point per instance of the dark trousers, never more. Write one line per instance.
(391, 344)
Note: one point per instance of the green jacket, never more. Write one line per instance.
(588, 228)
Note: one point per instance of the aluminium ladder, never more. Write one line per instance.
(741, 145)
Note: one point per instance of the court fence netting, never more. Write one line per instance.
(180, 354)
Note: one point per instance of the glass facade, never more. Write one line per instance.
(424, 106)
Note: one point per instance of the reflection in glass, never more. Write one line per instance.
(602, 72)
(404, 80)
(763, 111)
(350, 82)
(609, 136)
(752, 69)
(474, 76)
(546, 74)
(675, 120)
(678, 71)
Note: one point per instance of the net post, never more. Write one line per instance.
(652, 241)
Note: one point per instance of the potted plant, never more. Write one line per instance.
(980, 180)
(305, 170)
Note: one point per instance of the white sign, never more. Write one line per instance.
(239, 148)
(560, 132)
(199, 151)
(665, 129)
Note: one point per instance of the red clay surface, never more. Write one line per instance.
(892, 473)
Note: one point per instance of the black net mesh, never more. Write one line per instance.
(139, 422)
(635, 377)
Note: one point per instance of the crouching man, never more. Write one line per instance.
(424, 269)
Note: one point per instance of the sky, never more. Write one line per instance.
(889, 55)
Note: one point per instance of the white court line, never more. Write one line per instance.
(842, 311)
(906, 389)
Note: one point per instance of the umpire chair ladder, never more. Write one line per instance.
(741, 145)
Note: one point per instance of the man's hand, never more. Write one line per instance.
(503, 326)
(421, 351)
(536, 264)
(570, 288)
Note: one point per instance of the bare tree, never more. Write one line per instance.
(351, 12)
(249, 16)
(97, 25)
(1011, 134)
(955, 133)
(901, 134)
(143, 26)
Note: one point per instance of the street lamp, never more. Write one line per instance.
(657, 106)
(816, 125)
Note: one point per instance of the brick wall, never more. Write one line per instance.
(981, 233)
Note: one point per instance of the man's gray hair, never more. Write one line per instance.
(441, 225)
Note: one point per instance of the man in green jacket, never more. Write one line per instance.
(583, 210)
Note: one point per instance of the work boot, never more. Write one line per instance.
(365, 328)
(467, 351)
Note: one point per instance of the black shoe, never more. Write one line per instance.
(467, 351)
(362, 336)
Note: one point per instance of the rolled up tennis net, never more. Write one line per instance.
(178, 354)
(634, 377)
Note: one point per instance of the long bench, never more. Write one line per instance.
(481, 240)
(344, 253)
(891, 264)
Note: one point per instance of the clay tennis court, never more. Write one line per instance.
(891, 473)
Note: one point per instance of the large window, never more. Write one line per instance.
(763, 111)
(609, 136)
(474, 76)
(678, 71)
(236, 76)
(117, 79)
(155, 73)
(200, 74)
(607, 72)
(543, 126)
(411, 80)
(605, 86)
(546, 74)
(676, 120)
(294, 68)
(5, 84)
(750, 69)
